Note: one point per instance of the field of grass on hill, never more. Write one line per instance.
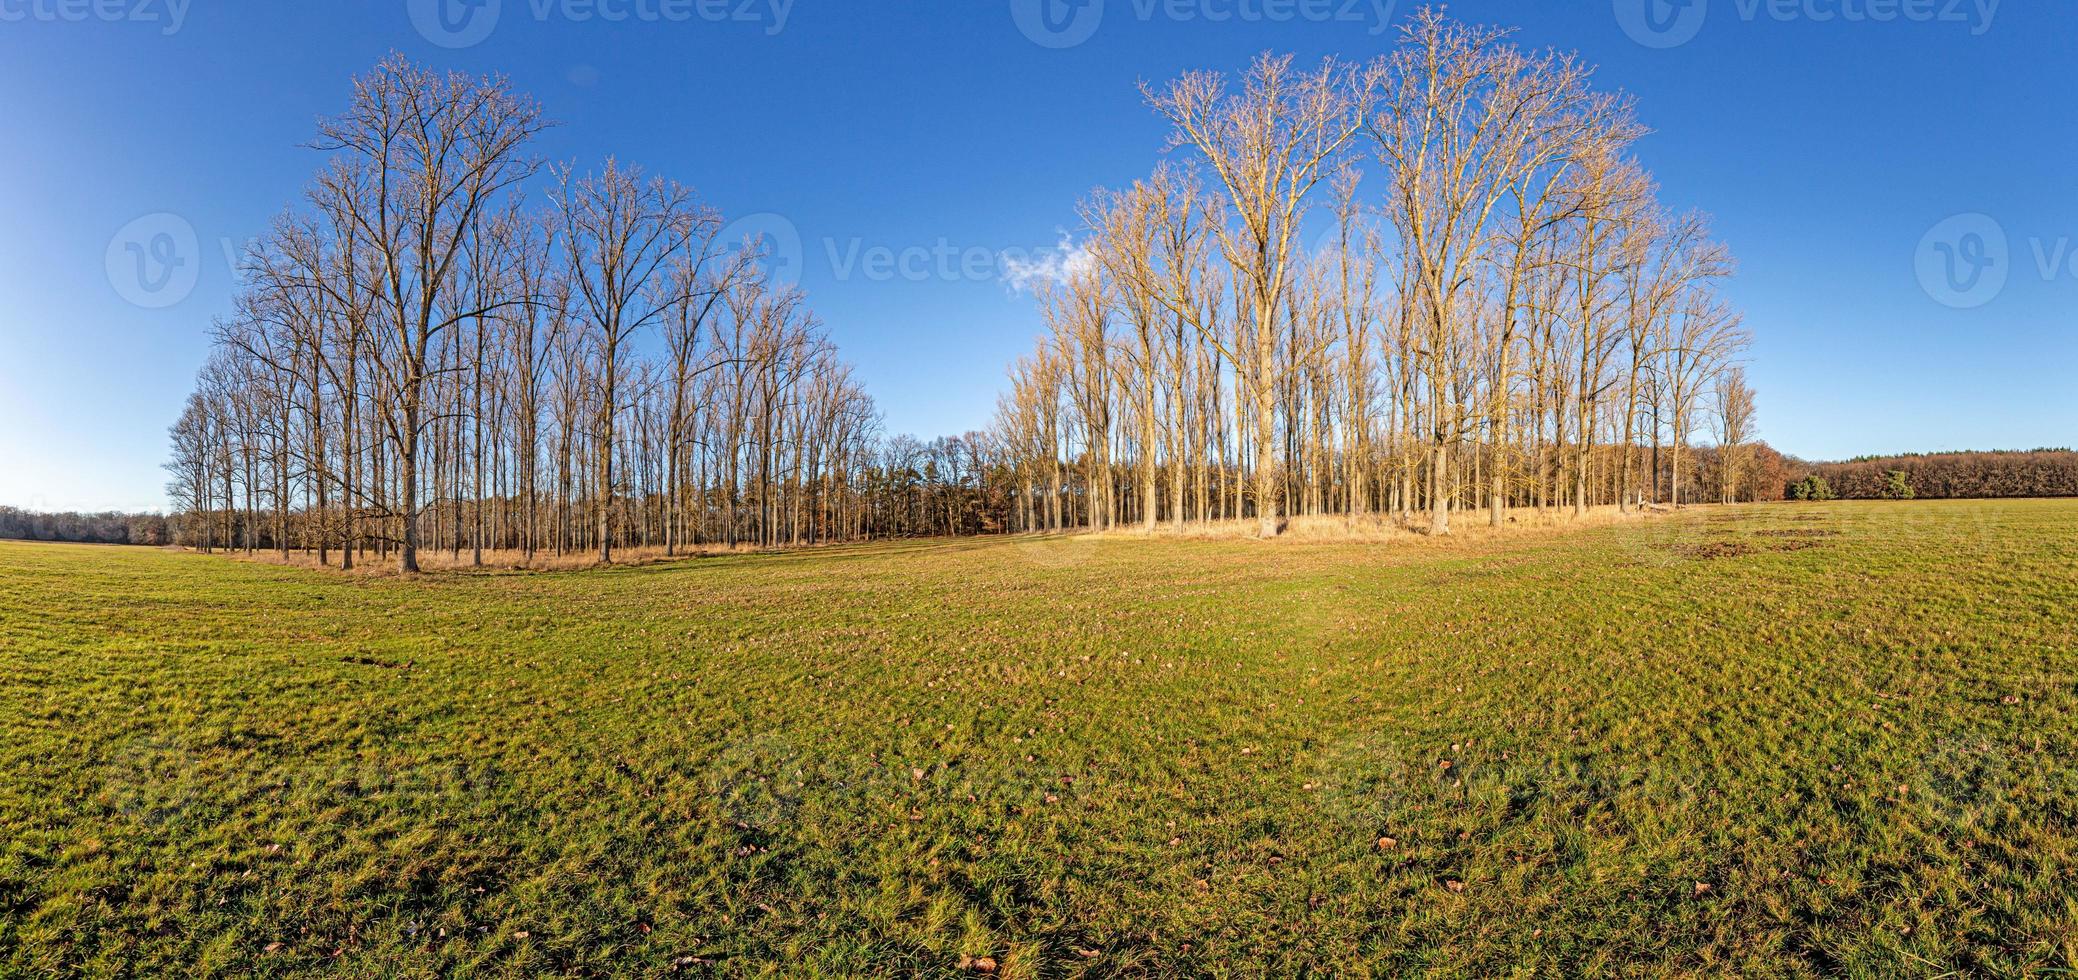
(1785, 740)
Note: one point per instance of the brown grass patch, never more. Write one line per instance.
(1466, 526)
(1713, 550)
(494, 561)
(1797, 544)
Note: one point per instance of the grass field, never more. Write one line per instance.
(1784, 740)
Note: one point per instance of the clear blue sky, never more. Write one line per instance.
(1828, 143)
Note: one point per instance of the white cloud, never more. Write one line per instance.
(1024, 271)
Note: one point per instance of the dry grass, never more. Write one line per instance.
(1465, 526)
(494, 561)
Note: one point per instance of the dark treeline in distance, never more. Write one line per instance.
(1943, 476)
(105, 527)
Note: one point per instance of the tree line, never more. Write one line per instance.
(106, 527)
(422, 354)
(1500, 313)
(450, 344)
(1943, 476)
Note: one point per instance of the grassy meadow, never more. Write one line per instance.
(1778, 740)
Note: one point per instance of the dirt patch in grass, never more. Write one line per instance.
(1797, 544)
(1714, 549)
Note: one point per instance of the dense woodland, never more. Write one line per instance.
(1936, 476)
(1433, 282)
(107, 527)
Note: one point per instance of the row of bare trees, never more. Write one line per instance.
(420, 357)
(1493, 309)
(1434, 282)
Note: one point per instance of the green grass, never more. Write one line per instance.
(1856, 724)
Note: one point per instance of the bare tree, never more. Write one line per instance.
(1734, 418)
(1269, 146)
(423, 155)
(619, 231)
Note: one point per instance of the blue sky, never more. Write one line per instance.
(1835, 141)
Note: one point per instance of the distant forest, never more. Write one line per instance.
(108, 527)
(1940, 476)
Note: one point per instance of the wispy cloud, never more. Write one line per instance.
(1027, 270)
